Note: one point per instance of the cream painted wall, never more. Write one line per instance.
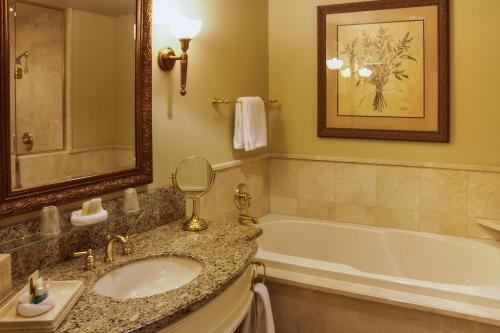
(92, 86)
(475, 115)
(124, 119)
(227, 59)
(102, 93)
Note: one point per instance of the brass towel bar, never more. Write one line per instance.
(217, 101)
(255, 274)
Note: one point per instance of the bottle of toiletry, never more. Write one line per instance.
(40, 293)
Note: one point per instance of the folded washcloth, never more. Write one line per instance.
(26, 309)
(250, 125)
(260, 316)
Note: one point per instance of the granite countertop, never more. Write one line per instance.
(225, 250)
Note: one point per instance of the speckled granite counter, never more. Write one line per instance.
(225, 250)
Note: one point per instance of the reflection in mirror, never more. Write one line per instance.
(194, 176)
(72, 65)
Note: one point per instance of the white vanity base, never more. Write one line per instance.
(222, 315)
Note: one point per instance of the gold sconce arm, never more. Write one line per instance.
(167, 60)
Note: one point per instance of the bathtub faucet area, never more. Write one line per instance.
(247, 219)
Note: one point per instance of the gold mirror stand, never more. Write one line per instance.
(194, 223)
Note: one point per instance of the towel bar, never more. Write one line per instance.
(255, 272)
(218, 101)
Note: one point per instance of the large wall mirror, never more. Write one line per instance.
(76, 100)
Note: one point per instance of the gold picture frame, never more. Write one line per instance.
(383, 70)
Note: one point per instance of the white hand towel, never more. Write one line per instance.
(250, 125)
(260, 316)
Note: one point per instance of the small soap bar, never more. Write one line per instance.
(5, 277)
(85, 208)
(95, 206)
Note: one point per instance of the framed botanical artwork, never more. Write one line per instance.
(383, 70)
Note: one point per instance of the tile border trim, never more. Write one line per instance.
(339, 159)
(425, 165)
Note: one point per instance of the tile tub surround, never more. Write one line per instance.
(46, 168)
(218, 204)
(224, 249)
(30, 251)
(432, 198)
(297, 309)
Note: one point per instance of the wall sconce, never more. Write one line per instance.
(185, 29)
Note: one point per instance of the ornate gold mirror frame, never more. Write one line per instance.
(21, 201)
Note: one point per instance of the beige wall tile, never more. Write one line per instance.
(260, 206)
(396, 218)
(355, 184)
(311, 208)
(398, 187)
(443, 191)
(256, 175)
(443, 223)
(315, 180)
(219, 202)
(283, 178)
(484, 195)
(300, 310)
(483, 328)
(285, 206)
(354, 214)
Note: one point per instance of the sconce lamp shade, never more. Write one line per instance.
(184, 27)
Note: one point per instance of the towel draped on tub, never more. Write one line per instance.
(260, 315)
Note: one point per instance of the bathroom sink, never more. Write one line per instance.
(148, 277)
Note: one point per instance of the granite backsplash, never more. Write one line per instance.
(30, 251)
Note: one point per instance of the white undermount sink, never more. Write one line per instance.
(148, 277)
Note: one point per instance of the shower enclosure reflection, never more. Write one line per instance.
(72, 106)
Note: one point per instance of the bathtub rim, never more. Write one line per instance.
(460, 310)
(278, 218)
(451, 308)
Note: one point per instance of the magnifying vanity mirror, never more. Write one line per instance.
(75, 100)
(194, 177)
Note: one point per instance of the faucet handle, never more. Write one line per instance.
(247, 219)
(242, 196)
(127, 248)
(89, 259)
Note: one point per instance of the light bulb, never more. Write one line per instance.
(346, 72)
(365, 72)
(334, 63)
(184, 27)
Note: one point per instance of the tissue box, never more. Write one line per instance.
(5, 277)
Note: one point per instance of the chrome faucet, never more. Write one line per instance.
(247, 219)
(126, 250)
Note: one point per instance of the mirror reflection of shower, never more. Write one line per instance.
(72, 110)
(24, 67)
(37, 58)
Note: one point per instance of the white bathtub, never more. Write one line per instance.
(452, 275)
